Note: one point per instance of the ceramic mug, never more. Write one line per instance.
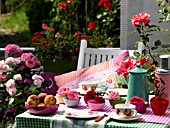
(125, 110)
(88, 85)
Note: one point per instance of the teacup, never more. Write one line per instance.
(88, 85)
(125, 110)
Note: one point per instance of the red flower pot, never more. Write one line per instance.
(159, 105)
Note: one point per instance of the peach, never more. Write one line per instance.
(50, 100)
(33, 100)
(41, 97)
(41, 104)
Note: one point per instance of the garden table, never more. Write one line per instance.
(147, 120)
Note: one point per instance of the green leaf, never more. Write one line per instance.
(11, 100)
(157, 43)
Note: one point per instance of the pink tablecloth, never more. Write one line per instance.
(148, 116)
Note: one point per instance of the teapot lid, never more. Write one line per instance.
(138, 69)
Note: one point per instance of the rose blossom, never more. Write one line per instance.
(30, 63)
(12, 91)
(140, 18)
(73, 95)
(26, 56)
(38, 82)
(63, 91)
(13, 48)
(113, 95)
(17, 77)
(62, 5)
(10, 83)
(2, 62)
(91, 25)
(6, 68)
(137, 100)
(9, 60)
(44, 26)
(35, 77)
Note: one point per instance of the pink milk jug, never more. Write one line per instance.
(162, 77)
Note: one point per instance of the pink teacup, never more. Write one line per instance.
(95, 106)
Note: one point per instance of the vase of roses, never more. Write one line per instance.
(17, 82)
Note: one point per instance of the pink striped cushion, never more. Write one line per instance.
(103, 69)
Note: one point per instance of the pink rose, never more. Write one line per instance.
(36, 61)
(63, 91)
(44, 26)
(113, 95)
(2, 62)
(140, 18)
(6, 68)
(30, 63)
(35, 77)
(137, 100)
(12, 48)
(73, 95)
(26, 56)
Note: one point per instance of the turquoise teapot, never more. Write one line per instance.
(137, 83)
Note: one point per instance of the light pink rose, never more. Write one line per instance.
(63, 91)
(9, 60)
(113, 95)
(30, 63)
(12, 91)
(6, 68)
(17, 60)
(17, 77)
(2, 62)
(35, 77)
(10, 83)
(73, 95)
(38, 82)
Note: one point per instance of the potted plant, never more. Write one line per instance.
(61, 93)
(158, 103)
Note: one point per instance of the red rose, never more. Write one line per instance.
(99, 99)
(107, 5)
(91, 25)
(62, 5)
(140, 18)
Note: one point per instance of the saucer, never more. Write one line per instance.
(113, 115)
(81, 91)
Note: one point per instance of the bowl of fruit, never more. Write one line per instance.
(41, 104)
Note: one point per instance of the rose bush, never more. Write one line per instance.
(17, 82)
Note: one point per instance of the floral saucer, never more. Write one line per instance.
(81, 114)
(113, 115)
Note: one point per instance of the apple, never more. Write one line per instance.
(41, 104)
(50, 100)
(41, 97)
(33, 100)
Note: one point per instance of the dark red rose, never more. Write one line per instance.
(107, 5)
(89, 96)
(99, 100)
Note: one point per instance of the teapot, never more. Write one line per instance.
(137, 83)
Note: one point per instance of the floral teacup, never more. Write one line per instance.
(125, 110)
(88, 85)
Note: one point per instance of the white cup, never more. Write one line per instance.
(125, 110)
(88, 85)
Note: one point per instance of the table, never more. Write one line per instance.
(148, 120)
